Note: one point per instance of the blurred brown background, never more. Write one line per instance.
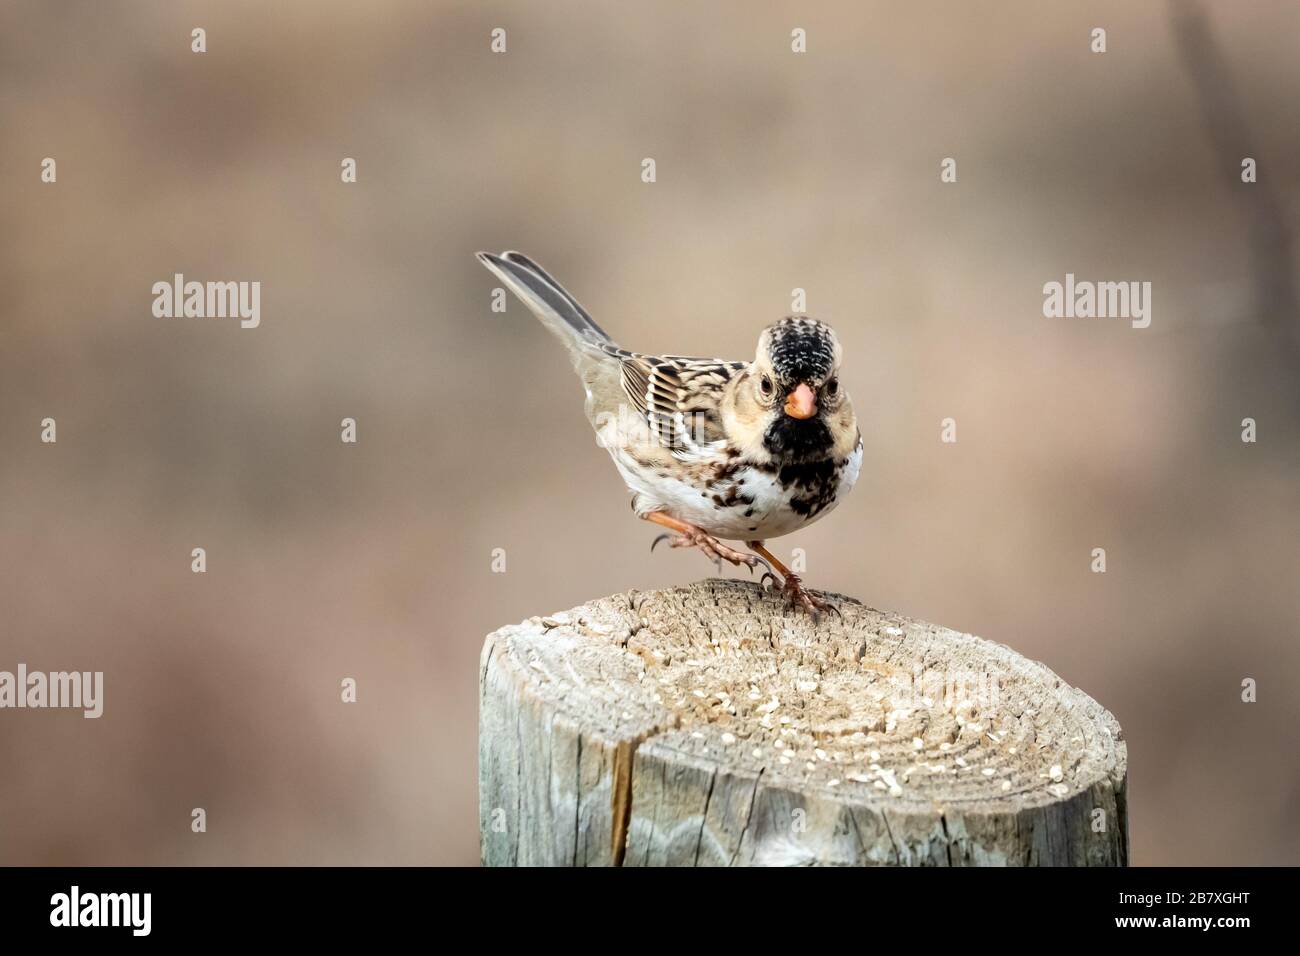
(775, 171)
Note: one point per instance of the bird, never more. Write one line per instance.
(711, 449)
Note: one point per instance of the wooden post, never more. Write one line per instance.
(706, 726)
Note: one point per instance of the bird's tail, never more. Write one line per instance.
(548, 300)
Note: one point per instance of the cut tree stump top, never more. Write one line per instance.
(709, 725)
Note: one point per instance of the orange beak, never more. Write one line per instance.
(801, 403)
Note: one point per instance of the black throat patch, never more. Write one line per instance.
(793, 439)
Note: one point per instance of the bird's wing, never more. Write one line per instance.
(675, 397)
(679, 398)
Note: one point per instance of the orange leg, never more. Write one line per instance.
(688, 535)
(792, 587)
(771, 559)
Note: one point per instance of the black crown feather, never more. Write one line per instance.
(802, 350)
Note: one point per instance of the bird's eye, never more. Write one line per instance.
(765, 385)
(833, 386)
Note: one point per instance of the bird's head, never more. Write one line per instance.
(790, 406)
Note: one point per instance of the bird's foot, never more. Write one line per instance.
(796, 595)
(712, 547)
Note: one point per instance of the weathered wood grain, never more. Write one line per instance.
(706, 726)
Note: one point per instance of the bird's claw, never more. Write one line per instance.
(712, 548)
(796, 595)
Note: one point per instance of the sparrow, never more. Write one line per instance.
(713, 449)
